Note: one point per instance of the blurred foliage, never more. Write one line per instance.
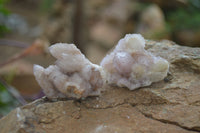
(162, 33)
(46, 5)
(3, 30)
(186, 17)
(7, 101)
(3, 11)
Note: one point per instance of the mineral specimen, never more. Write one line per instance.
(130, 65)
(72, 76)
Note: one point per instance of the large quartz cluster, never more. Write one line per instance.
(72, 76)
(130, 65)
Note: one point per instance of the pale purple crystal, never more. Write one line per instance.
(130, 65)
(72, 76)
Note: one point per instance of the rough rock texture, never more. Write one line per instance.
(130, 65)
(72, 76)
(168, 106)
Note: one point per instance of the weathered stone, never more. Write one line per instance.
(171, 105)
(185, 116)
(188, 37)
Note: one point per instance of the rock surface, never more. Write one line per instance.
(168, 106)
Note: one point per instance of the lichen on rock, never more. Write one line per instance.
(72, 76)
(130, 65)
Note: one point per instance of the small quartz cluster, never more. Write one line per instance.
(130, 65)
(72, 76)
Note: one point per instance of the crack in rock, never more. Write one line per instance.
(150, 116)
